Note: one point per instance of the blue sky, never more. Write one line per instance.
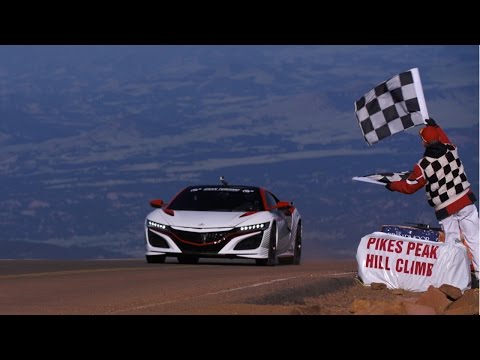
(89, 134)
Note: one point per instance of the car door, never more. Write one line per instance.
(283, 228)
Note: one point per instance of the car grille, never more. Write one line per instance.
(207, 243)
(202, 238)
(207, 249)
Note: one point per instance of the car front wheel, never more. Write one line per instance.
(272, 249)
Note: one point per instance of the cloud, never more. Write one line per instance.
(218, 163)
(35, 204)
(111, 183)
(124, 242)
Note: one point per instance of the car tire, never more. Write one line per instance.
(155, 259)
(272, 249)
(297, 250)
(260, 262)
(286, 260)
(187, 259)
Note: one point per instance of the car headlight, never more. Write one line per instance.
(156, 225)
(255, 227)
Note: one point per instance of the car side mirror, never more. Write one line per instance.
(282, 205)
(157, 203)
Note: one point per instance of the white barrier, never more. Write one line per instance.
(411, 264)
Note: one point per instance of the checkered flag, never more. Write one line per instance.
(383, 178)
(392, 106)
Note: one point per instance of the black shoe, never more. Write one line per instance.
(474, 281)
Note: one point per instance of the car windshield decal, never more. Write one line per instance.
(222, 189)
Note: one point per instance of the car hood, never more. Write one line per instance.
(203, 219)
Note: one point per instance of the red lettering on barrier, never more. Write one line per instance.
(398, 248)
(369, 260)
(388, 245)
(383, 244)
(413, 267)
(429, 269)
(422, 250)
(420, 268)
(391, 243)
(377, 262)
(410, 246)
(426, 251)
(370, 242)
(398, 265)
(418, 248)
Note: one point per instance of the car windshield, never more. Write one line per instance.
(218, 198)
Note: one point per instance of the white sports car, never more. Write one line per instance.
(226, 221)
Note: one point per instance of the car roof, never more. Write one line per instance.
(224, 186)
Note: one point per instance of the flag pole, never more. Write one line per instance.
(367, 180)
(419, 90)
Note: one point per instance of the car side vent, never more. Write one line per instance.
(250, 243)
(156, 240)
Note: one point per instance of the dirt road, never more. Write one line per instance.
(212, 287)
